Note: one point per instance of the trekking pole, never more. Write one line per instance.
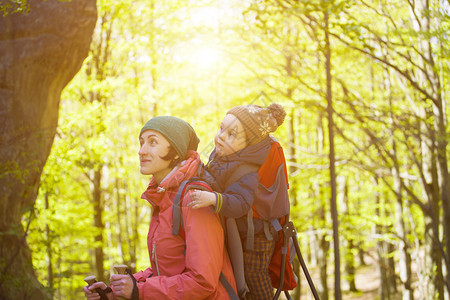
(90, 280)
(292, 233)
(283, 266)
(121, 269)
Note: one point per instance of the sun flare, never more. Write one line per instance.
(205, 57)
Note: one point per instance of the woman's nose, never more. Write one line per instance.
(141, 150)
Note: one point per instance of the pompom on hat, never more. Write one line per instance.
(259, 122)
(179, 133)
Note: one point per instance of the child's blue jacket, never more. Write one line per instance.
(239, 196)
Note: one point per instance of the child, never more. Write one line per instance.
(243, 138)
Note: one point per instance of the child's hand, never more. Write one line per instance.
(202, 199)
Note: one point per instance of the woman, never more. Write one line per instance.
(184, 266)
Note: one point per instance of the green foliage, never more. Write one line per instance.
(14, 6)
(197, 60)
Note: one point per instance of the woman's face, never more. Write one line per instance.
(154, 146)
(231, 136)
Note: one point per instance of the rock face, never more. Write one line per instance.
(40, 52)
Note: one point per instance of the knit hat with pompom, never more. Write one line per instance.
(259, 122)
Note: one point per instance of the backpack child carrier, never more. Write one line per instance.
(273, 210)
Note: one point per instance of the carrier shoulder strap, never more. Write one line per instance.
(177, 217)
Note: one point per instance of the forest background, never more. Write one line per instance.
(365, 85)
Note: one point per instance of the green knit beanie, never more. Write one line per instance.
(179, 133)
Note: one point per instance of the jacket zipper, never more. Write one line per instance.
(155, 259)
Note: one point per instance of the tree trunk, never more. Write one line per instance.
(403, 246)
(383, 290)
(433, 258)
(291, 154)
(349, 261)
(49, 249)
(437, 150)
(98, 224)
(324, 245)
(40, 52)
(292, 160)
(119, 232)
(333, 203)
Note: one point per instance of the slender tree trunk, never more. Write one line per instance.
(119, 214)
(135, 242)
(324, 246)
(403, 245)
(130, 222)
(433, 258)
(333, 203)
(436, 162)
(392, 276)
(48, 238)
(291, 154)
(98, 224)
(383, 289)
(349, 261)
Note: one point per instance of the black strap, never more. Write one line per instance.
(103, 293)
(135, 293)
(226, 284)
(176, 209)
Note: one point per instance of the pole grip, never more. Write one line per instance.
(90, 280)
(121, 269)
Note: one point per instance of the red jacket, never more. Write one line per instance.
(183, 268)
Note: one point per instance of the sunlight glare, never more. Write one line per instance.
(205, 57)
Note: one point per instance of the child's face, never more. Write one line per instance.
(154, 146)
(231, 136)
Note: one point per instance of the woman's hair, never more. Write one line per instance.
(172, 157)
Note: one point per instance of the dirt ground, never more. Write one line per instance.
(367, 283)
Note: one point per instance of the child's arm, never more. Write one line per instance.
(235, 202)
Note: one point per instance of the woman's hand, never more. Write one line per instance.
(91, 294)
(202, 199)
(122, 285)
